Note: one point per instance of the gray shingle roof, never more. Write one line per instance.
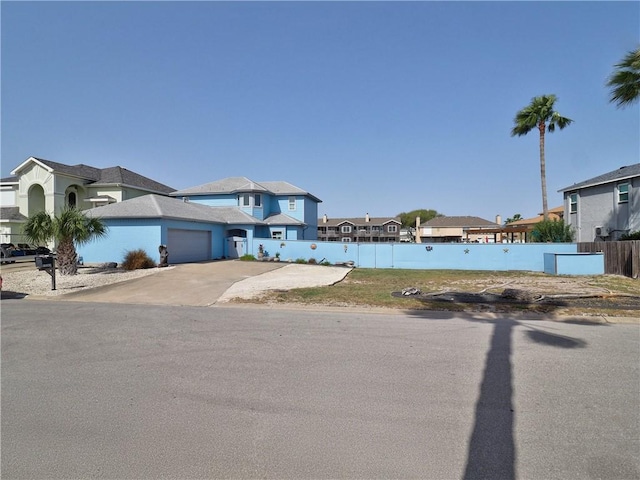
(463, 221)
(159, 206)
(243, 184)
(107, 176)
(114, 175)
(621, 173)
(226, 185)
(12, 214)
(9, 180)
(282, 219)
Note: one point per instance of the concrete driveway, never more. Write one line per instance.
(204, 284)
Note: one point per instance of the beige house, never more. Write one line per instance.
(38, 184)
(456, 229)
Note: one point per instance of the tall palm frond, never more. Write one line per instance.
(541, 115)
(625, 82)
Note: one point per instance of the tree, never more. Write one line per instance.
(515, 218)
(541, 115)
(408, 220)
(625, 81)
(67, 229)
(554, 231)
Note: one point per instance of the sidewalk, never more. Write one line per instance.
(205, 284)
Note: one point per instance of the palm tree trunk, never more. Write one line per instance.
(543, 172)
(67, 256)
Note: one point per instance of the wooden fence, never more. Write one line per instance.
(620, 258)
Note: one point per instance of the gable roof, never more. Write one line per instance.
(623, 173)
(99, 176)
(160, 206)
(462, 221)
(233, 185)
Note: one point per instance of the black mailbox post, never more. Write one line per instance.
(48, 264)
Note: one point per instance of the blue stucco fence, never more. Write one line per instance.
(433, 256)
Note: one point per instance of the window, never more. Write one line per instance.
(276, 235)
(623, 193)
(573, 203)
(72, 199)
(257, 200)
(292, 203)
(346, 229)
(392, 228)
(346, 239)
(243, 200)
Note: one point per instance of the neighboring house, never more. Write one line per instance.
(605, 207)
(38, 184)
(367, 229)
(520, 230)
(215, 220)
(457, 229)
(209, 221)
(282, 211)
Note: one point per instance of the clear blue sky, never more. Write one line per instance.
(378, 107)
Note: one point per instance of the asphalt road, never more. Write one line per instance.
(136, 391)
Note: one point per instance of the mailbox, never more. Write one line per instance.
(44, 262)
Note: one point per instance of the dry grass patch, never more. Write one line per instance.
(373, 288)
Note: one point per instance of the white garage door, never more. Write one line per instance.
(188, 245)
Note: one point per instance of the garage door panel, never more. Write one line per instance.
(188, 245)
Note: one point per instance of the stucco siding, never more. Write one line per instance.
(228, 200)
(311, 219)
(634, 205)
(455, 256)
(283, 207)
(124, 236)
(598, 206)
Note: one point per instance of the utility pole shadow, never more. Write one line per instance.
(492, 452)
(492, 448)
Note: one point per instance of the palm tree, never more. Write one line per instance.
(625, 81)
(540, 113)
(69, 228)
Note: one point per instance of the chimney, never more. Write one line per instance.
(325, 219)
(366, 218)
(418, 239)
(498, 219)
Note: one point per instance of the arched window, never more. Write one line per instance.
(72, 199)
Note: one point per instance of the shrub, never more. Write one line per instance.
(554, 231)
(247, 257)
(313, 261)
(301, 260)
(326, 263)
(631, 236)
(137, 259)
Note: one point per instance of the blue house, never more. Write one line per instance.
(214, 220)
